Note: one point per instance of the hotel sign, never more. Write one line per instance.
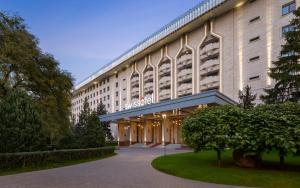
(141, 102)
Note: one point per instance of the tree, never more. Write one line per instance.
(211, 128)
(247, 98)
(286, 71)
(79, 130)
(24, 66)
(20, 125)
(88, 131)
(104, 124)
(94, 135)
(281, 130)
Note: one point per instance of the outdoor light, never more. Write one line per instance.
(164, 116)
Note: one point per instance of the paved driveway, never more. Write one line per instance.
(129, 169)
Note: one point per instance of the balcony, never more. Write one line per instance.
(165, 71)
(135, 83)
(148, 73)
(209, 79)
(209, 63)
(166, 84)
(211, 46)
(148, 90)
(211, 86)
(135, 94)
(184, 86)
(148, 78)
(134, 78)
(149, 84)
(185, 78)
(165, 94)
(209, 70)
(135, 89)
(184, 64)
(184, 72)
(184, 92)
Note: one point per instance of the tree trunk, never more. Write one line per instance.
(281, 161)
(219, 157)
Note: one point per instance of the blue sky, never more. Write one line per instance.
(85, 35)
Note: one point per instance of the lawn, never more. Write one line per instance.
(4, 172)
(202, 166)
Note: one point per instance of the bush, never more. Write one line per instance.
(24, 159)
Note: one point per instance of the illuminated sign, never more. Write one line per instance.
(143, 101)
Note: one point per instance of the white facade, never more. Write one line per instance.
(220, 44)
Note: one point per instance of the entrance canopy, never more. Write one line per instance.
(209, 97)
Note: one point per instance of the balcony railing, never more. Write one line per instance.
(134, 78)
(135, 94)
(148, 78)
(135, 89)
(209, 70)
(184, 72)
(210, 86)
(135, 83)
(209, 63)
(209, 79)
(184, 92)
(165, 84)
(184, 64)
(185, 78)
(149, 84)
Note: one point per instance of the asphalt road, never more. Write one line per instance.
(129, 169)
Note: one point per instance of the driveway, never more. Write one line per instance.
(129, 169)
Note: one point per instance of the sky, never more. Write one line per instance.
(84, 35)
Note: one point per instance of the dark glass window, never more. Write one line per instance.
(288, 8)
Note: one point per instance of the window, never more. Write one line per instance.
(117, 103)
(287, 54)
(117, 75)
(104, 98)
(103, 90)
(117, 84)
(254, 77)
(254, 59)
(107, 88)
(107, 105)
(286, 29)
(124, 79)
(288, 8)
(254, 19)
(107, 80)
(107, 97)
(117, 93)
(100, 91)
(254, 39)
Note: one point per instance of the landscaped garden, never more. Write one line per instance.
(203, 166)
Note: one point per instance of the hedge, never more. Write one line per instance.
(24, 159)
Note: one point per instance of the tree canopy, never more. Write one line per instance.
(23, 66)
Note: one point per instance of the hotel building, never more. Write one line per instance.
(202, 58)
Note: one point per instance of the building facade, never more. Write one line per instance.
(202, 58)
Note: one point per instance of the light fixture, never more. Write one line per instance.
(164, 116)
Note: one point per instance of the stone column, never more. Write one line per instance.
(133, 133)
(121, 132)
(148, 132)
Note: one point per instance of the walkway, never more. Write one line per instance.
(129, 169)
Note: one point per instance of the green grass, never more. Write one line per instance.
(202, 166)
(4, 172)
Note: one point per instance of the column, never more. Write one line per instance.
(148, 132)
(121, 132)
(133, 133)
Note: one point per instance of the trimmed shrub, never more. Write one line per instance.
(23, 159)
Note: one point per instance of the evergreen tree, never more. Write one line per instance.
(83, 119)
(101, 110)
(286, 71)
(94, 135)
(20, 125)
(247, 98)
